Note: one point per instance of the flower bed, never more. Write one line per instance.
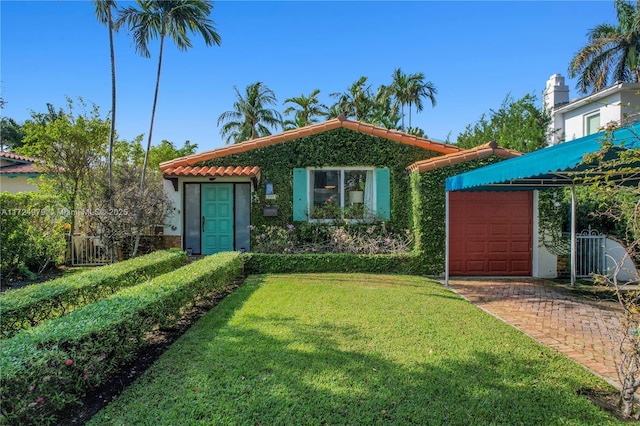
(29, 306)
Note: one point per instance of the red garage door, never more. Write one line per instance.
(490, 233)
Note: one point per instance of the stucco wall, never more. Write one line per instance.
(615, 255)
(574, 121)
(17, 184)
(545, 264)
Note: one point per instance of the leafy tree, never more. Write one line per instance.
(250, 118)
(11, 134)
(157, 18)
(356, 102)
(104, 13)
(362, 104)
(306, 110)
(384, 111)
(69, 145)
(130, 209)
(612, 52)
(517, 124)
(614, 180)
(167, 151)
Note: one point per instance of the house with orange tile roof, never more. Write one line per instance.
(17, 172)
(336, 171)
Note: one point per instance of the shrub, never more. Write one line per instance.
(322, 238)
(401, 263)
(32, 234)
(29, 306)
(48, 367)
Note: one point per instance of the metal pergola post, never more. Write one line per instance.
(446, 238)
(573, 235)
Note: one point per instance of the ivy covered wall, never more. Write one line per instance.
(335, 148)
(428, 211)
(417, 199)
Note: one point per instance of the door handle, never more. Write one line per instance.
(202, 223)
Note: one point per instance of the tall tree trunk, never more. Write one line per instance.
(409, 114)
(112, 132)
(153, 114)
(146, 154)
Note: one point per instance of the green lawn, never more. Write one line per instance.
(354, 349)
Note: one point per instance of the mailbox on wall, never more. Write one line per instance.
(270, 211)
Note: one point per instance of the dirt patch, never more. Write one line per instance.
(48, 275)
(607, 401)
(157, 342)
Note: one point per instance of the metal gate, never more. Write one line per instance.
(89, 251)
(590, 253)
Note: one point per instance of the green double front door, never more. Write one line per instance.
(217, 218)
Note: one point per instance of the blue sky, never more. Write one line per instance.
(474, 52)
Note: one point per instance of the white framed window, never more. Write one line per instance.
(330, 194)
(341, 194)
(591, 123)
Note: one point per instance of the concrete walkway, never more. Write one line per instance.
(576, 325)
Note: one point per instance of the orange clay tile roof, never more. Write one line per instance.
(20, 169)
(250, 172)
(477, 153)
(20, 165)
(313, 129)
(19, 158)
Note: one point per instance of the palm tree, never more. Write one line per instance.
(158, 18)
(103, 10)
(356, 101)
(250, 118)
(417, 89)
(611, 51)
(385, 110)
(411, 89)
(399, 90)
(308, 111)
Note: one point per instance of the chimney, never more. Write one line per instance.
(556, 93)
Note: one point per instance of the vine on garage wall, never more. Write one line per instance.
(428, 212)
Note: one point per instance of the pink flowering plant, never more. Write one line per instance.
(320, 238)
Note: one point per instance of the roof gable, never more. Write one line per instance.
(479, 152)
(313, 129)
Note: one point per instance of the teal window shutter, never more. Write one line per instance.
(300, 194)
(383, 194)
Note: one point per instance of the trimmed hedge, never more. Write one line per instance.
(402, 263)
(29, 306)
(46, 368)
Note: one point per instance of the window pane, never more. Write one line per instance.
(325, 195)
(593, 124)
(192, 217)
(243, 216)
(354, 188)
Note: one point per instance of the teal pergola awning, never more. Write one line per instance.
(548, 167)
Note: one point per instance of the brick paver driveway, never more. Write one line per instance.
(578, 326)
